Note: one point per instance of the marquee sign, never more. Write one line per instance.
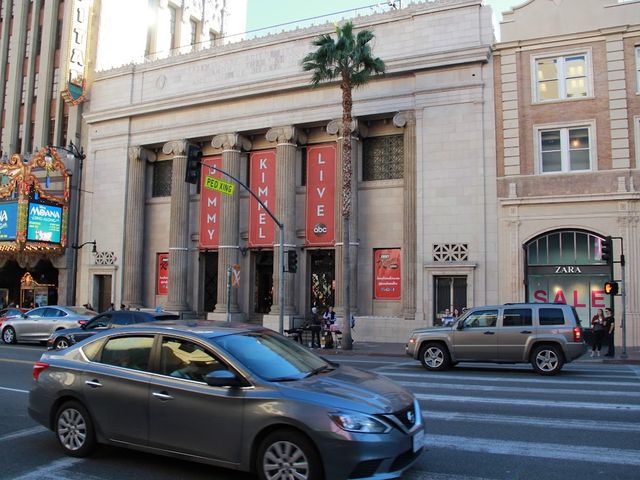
(8, 221)
(321, 185)
(262, 228)
(76, 93)
(210, 205)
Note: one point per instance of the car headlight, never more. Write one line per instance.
(359, 422)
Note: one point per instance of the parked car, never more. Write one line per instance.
(39, 323)
(545, 335)
(64, 338)
(10, 312)
(232, 395)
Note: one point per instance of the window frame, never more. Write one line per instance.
(637, 69)
(590, 125)
(562, 78)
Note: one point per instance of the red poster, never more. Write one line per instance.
(162, 273)
(321, 186)
(209, 205)
(387, 274)
(262, 228)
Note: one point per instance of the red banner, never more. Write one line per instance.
(162, 273)
(321, 187)
(386, 283)
(209, 205)
(262, 228)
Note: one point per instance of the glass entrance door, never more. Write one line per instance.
(450, 294)
(210, 260)
(263, 288)
(323, 274)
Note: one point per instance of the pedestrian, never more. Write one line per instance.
(329, 317)
(598, 326)
(609, 325)
(123, 306)
(315, 328)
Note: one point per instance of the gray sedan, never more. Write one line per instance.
(236, 396)
(38, 324)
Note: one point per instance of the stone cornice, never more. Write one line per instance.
(231, 141)
(176, 147)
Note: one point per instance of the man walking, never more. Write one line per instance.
(609, 325)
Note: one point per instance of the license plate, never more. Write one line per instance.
(418, 440)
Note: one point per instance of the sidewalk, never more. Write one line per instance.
(397, 350)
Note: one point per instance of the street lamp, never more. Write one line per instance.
(75, 153)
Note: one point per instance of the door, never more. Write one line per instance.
(210, 293)
(263, 288)
(450, 294)
(323, 274)
(477, 339)
(187, 415)
(120, 374)
(517, 328)
(34, 321)
(102, 295)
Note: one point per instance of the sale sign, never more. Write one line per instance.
(162, 274)
(387, 274)
(209, 205)
(321, 186)
(262, 228)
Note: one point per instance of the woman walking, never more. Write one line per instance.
(598, 326)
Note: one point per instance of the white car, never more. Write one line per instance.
(38, 324)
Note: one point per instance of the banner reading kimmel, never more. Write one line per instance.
(209, 205)
(386, 283)
(262, 228)
(321, 186)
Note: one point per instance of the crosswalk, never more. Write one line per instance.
(504, 422)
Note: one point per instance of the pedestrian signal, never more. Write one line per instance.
(194, 157)
(611, 288)
(606, 250)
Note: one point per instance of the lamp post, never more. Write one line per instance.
(78, 155)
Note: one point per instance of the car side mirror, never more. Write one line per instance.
(460, 326)
(222, 378)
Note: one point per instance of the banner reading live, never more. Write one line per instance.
(386, 282)
(209, 205)
(321, 186)
(162, 273)
(262, 228)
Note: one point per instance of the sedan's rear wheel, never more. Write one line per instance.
(61, 343)
(435, 356)
(286, 454)
(74, 429)
(547, 360)
(9, 335)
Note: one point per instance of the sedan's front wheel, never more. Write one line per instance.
(9, 335)
(61, 343)
(286, 454)
(74, 429)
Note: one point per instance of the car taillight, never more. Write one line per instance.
(577, 334)
(83, 322)
(38, 368)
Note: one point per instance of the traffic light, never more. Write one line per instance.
(194, 157)
(611, 288)
(606, 250)
(292, 261)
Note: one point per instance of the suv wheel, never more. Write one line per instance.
(435, 356)
(547, 359)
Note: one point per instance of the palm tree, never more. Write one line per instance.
(350, 60)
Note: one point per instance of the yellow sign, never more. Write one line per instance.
(220, 185)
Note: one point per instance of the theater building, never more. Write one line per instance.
(424, 221)
(567, 130)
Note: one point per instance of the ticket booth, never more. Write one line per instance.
(34, 294)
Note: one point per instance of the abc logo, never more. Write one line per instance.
(320, 229)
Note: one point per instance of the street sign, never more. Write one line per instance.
(220, 185)
(235, 279)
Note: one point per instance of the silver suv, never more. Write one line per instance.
(546, 335)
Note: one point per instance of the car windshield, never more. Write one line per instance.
(271, 356)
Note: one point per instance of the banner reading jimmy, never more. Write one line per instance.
(387, 274)
(321, 187)
(44, 223)
(210, 205)
(8, 221)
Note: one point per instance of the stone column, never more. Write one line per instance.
(407, 121)
(134, 226)
(178, 228)
(287, 139)
(231, 144)
(357, 130)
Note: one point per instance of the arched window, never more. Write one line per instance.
(566, 247)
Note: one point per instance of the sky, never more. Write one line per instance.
(265, 13)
